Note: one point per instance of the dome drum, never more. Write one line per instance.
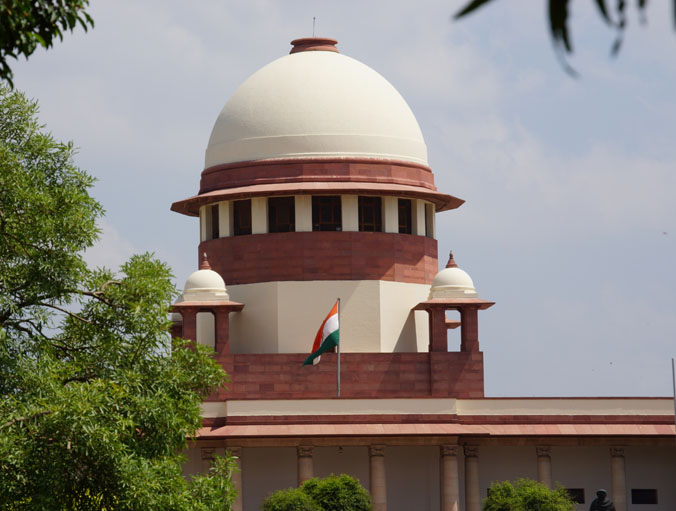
(312, 256)
(318, 170)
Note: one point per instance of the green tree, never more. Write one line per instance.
(292, 499)
(97, 402)
(25, 24)
(333, 493)
(526, 495)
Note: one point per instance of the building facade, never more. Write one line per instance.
(316, 187)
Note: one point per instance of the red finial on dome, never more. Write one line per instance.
(314, 44)
(451, 261)
(204, 265)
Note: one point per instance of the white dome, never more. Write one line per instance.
(204, 284)
(315, 104)
(452, 282)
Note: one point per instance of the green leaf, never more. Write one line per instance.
(470, 7)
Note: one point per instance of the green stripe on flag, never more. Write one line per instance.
(329, 343)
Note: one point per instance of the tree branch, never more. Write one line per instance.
(24, 419)
(69, 313)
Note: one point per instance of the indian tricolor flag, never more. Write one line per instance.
(327, 337)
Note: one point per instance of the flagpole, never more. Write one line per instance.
(673, 377)
(338, 372)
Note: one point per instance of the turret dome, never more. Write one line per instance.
(452, 282)
(204, 285)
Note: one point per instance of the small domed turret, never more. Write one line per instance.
(452, 282)
(204, 285)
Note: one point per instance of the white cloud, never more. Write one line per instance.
(112, 249)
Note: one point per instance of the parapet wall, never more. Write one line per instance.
(363, 375)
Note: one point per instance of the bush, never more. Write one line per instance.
(333, 493)
(338, 493)
(292, 499)
(526, 495)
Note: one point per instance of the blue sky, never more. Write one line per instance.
(569, 184)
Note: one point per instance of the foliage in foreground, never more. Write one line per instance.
(526, 495)
(96, 401)
(25, 24)
(333, 493)
(559, 13)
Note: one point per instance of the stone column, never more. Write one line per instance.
(449, 484)
(544, 453)
(237, 477)
(472, 490)
(189, 323)
(207, 457)
(378, 483)
(305, 467)
(618, 481)
(438, 329)
(469, 328)
(222, 331)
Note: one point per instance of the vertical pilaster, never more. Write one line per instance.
(618, 479)
(390, 214)
(450, 483)
(418, 211)
(472, 489)
(303, 213)
(203, 223)
(207, 454)
(469, 328)
(237, 477)
(305, 463)
(349, 208)
(259, 215)
(225, 223)
(222, 331)
(378, 482)
(544, 455)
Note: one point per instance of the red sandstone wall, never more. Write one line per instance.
(363, 375)
(323, 256)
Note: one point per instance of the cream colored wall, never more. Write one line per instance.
(303, 213)
(259, 215)
(539, 406)
(206, 329)
(403, 329)
(193, 464)
(353, 461)
(390, 214)
(412, 478)
(260, 407)
(565, 406)
(283, 317)
(505, 463)
(265, 470)
(582, 467)
(349, 207)
(254, 329)
(652, 467)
